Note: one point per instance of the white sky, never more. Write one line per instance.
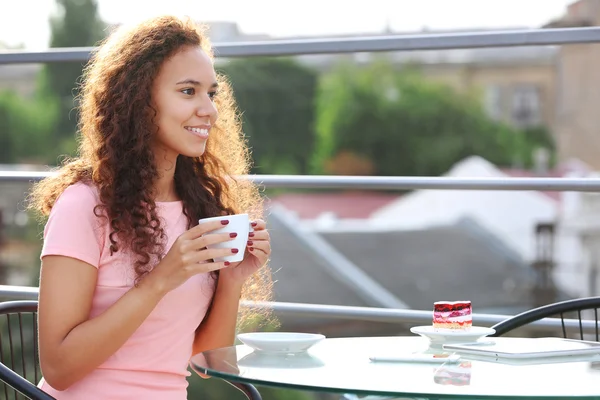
(26, 21)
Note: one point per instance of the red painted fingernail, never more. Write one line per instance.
(224, 222)
(251, 234)
(251, 248)
(226, 263)
(232, 234)
(250, 243)
(234, 251)
(254, 223)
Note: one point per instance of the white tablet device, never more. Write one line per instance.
(528, 348)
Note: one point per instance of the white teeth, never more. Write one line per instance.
(198, 130)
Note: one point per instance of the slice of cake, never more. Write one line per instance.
(452, 315)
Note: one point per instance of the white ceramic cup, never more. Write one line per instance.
(238, 223)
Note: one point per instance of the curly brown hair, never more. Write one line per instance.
(116, 126)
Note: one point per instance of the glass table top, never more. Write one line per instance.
(343, 365)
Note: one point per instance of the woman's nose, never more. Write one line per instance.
(207, 109)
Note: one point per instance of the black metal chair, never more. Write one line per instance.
(249, 390)
(553, 310)
(19, 360)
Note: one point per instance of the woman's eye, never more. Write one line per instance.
(189, 91)
(212, 94)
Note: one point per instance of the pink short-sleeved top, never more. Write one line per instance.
(152, 364)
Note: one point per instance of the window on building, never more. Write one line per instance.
(526, 107)
(493, 102)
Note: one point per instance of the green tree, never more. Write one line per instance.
(76, 24)
(407, 125)
(25, 128)
(538, 137)
(7, 146)
(276, 96)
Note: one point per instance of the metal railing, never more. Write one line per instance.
(384, 182)
(370, 314)
(426, 41)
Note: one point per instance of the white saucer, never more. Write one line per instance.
(444, 336)
(280, 342)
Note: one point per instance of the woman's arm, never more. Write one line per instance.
(218, 328)
(71, 344)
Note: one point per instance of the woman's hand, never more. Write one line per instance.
(188, 256)
(258, 250)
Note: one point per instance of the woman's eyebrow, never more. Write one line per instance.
(194, 82)
(189, 81)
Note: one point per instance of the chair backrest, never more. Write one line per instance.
(19, 359)
(562, 310)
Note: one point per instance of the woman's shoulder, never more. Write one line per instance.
(80, 195)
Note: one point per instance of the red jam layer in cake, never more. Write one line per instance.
(452, 315)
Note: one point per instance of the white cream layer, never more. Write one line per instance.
(462, 318)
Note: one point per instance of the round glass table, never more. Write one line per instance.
(343, 366)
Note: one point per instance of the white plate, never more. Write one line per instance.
(280, 342)
(444, 336)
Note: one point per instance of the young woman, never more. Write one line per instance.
(128, 290)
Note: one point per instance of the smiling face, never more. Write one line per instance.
(183, 94)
